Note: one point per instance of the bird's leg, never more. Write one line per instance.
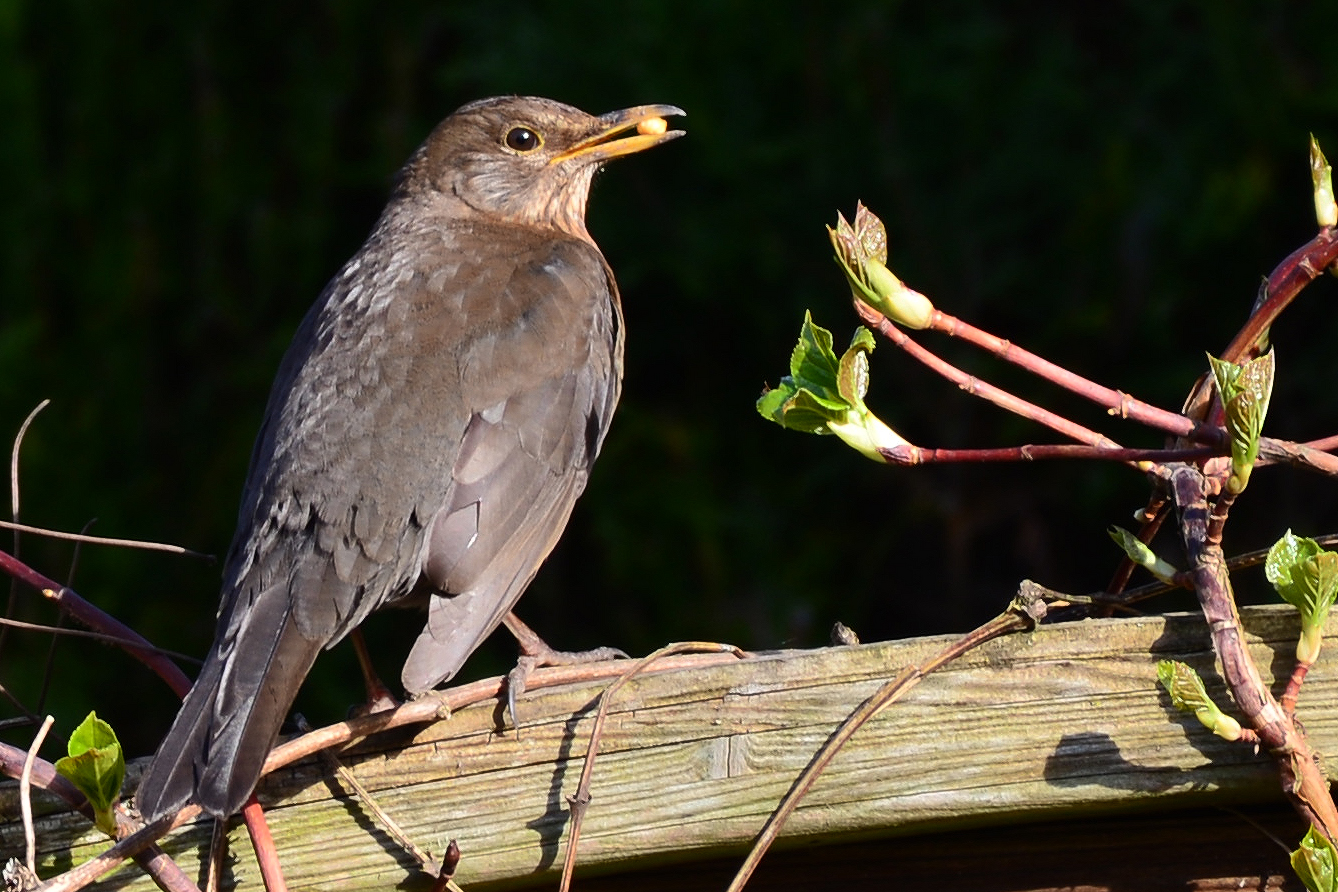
(379, 696)
(535, 652)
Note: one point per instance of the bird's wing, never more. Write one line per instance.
(534, 429)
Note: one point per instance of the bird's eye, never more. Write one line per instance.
(522, 139)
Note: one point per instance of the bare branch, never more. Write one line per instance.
(25, 797)
(103, 540)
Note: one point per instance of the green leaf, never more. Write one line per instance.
(825, 395)
(813, 363)
(809, 397)
(1316, 862)
(1305, 575)
(96, 766)
(852, 377)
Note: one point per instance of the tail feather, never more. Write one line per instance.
(214, 751)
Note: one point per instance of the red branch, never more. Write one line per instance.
(79, 609)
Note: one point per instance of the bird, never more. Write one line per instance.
(428, 432)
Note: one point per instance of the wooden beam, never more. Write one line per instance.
(1065, 723)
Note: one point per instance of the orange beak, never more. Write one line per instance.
(605, 143)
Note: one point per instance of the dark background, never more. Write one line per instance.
(1105, 183)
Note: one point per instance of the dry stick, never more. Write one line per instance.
(581, 801)
(91, 636)
(103, 540)
(1016, 619)
(162, 869)
(14, 505)
(217, 848)
(1302, 781)
(14, 466)
(25, 797)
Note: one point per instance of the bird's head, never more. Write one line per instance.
(527, 160)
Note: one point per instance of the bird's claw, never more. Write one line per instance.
(516, 678)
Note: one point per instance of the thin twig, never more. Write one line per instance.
(14, 467)
(49, 669)
(973, 385)
(1152, 589)
(81, 610)
(1302, 455)
(99, 866)
(262, 841)
(1115, 402)
(581, 801)
(1287, 280)
(25, 794)
(103, 540)
(1016, 619)
(14, 510)
(96, 636)
(915, 455)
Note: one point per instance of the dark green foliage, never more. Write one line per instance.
(1103, 183)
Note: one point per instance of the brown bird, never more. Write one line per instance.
(429, 430)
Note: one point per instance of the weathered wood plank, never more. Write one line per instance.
(1061, 723)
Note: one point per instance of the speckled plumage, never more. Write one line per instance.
(429, 431)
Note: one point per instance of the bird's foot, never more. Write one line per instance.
(535, 652)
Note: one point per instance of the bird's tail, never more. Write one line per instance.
(214, 751)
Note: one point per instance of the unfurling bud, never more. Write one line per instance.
(1188, 694)
(861, 250)
(904, 306)
(1321, 174)
(1141, 554)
